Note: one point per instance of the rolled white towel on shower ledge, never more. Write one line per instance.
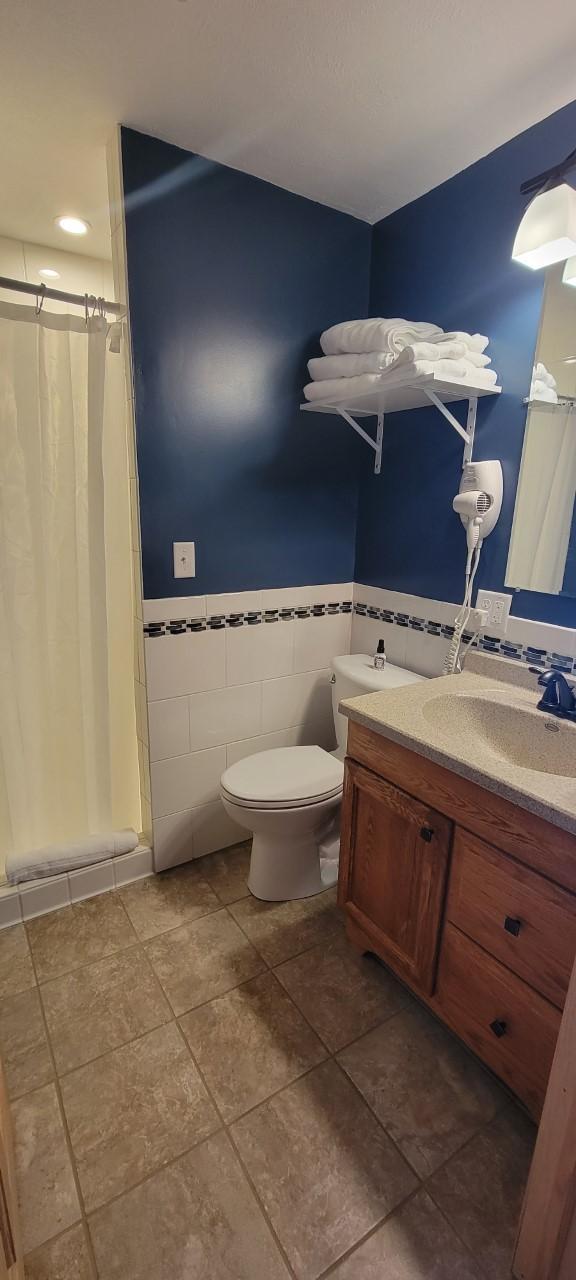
(375, 334)
(54, 859)
(349, 366)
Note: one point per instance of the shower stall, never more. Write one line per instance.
(68, 744)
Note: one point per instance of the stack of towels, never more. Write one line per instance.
(543, 385)
(362, 356)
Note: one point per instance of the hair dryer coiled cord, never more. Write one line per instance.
(451, 663)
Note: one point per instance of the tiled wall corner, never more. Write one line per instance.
(229, 676)
(118, 237)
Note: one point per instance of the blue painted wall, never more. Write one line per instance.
(231, 282)
(446, 258)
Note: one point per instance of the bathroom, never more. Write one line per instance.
(220, 1063)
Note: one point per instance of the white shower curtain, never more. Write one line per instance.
(544, 501)
(68, 751)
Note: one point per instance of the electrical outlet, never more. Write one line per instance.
(496, 605)
(184, 560)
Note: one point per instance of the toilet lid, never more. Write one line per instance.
(283, 776)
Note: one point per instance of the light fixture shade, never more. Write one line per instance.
(569, 273)
(547, 232)
(73, 225)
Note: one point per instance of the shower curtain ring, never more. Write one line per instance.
(86, 309)
(40, 297)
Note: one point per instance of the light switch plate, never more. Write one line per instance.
(184, 560)
(497, 606)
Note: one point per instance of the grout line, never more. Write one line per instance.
(344, 1257)
(244, 1171)
(66, 1131)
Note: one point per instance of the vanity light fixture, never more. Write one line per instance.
(48, 273)
(547, 232)
(78, 226)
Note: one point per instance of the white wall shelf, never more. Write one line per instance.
(417, 394)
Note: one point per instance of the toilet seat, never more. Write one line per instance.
(284, 778)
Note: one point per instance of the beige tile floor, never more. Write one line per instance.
(207, 1087)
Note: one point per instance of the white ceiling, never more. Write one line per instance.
(361, 104)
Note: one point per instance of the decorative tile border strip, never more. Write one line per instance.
(487, 644)
(252, 618)
(426, 626)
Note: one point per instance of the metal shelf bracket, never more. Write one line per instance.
(376, 444)
(467, 434)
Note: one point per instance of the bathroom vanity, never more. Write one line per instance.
(458, 860)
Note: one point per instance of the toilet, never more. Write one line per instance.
(289, 797)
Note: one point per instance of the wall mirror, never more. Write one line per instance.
(542, 553)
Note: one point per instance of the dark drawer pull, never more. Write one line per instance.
(426, 833)
(499, 1027)
(512, 925)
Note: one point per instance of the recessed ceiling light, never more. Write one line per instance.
(48, 273)
(74, 226)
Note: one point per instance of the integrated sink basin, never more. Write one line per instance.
(518, 734)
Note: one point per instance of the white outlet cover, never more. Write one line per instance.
(497, 605)
(184, 559)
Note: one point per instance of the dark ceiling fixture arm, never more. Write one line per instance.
(551, 177)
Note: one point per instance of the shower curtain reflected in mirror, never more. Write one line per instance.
(68, 750)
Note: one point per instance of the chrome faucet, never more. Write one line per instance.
(559, 697)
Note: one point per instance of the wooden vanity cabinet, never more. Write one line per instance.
(444, 882)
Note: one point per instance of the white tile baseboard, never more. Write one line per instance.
(37, 897)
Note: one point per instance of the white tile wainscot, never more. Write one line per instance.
(218, 694)
(408, 645)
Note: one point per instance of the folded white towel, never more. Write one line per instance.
(357, 336)
(348, 366)
(460, 367)
(541, 374)
(540, 391)
(402, 373)
(56, 858)
(475, 341)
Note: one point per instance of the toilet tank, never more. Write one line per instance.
(355, 673)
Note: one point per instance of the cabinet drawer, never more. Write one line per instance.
(515, 914)
(510, 1026)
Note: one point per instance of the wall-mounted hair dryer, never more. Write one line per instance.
(478, 503)
(479, 500)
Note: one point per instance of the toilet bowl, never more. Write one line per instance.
(289, 797)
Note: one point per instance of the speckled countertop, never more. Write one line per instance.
(483, 724)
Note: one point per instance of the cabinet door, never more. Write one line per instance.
(393, 866)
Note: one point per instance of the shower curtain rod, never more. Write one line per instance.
(76, 299)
